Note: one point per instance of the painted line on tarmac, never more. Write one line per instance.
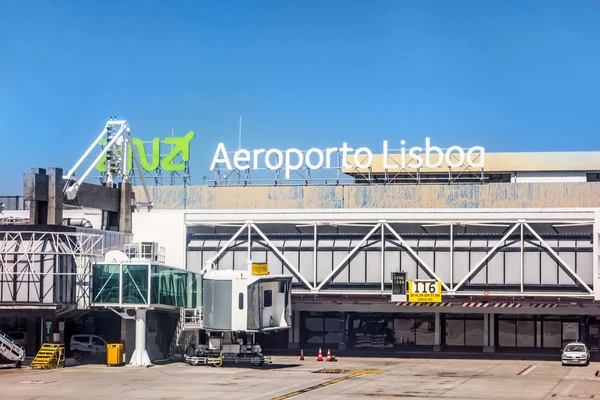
(520, 373)
(530, 369)
(353, 374)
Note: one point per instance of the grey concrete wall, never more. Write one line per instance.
(495, 195)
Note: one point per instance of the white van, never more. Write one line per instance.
(87, 345)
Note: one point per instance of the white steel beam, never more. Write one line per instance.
(419, 260)
(210, 262)
(522, 259)
(564, 266)
(482, 262)
(451, 256)
(344, 263)
(372, 216)
(290, 267)
(87, 153)
(315, 239)
(382, 257)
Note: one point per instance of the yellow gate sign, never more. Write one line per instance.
(424, 291)
(260, 269)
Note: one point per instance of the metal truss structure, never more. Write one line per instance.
(119, 143)
(525, 254)
(159, 177)
(47, 268)
(265, 176)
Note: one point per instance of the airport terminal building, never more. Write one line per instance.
(513, 244)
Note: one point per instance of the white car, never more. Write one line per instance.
(87, 345)
(575, 353)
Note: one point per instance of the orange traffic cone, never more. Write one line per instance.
(320, 357)
(328, 355)
(301, 354)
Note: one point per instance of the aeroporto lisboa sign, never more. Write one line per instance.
(294, 159)
(172, 154)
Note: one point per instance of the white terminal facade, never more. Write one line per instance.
(514, 244)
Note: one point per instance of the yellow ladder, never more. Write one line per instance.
(51, 355)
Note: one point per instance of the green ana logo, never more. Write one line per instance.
(181, 145)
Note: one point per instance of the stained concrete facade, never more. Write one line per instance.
(493, 195)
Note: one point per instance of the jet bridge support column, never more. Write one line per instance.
(140, 355)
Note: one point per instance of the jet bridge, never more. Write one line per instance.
(236, 306)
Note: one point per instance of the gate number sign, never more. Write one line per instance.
(424, 291)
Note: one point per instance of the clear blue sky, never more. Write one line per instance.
(508, 75)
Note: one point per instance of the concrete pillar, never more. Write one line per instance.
(128, 337)
(489, 332)
(596, 255)
(342, 345)
(294, 332)
(437, 343)
(125, 207)
(38, 210)
(55, 196)
(140, 355)
(486, 330)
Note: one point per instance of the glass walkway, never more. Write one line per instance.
(138, 283)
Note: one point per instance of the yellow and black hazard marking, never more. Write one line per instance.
(332, 371)
(353, 374)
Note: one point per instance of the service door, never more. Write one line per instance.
(267, 307)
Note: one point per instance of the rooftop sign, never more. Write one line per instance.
(294, 159)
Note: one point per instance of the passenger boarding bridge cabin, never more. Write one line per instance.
(241, 302)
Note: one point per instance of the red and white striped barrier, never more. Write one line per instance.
(476, 305)
(507, 305)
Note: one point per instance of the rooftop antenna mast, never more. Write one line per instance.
(240, 135)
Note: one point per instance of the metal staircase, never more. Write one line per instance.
(51, 355)
(190, 321)
(10, 350)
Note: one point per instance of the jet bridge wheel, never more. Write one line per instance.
(257, 360)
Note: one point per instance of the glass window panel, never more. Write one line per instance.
(507, 333)
(403, 332)
(97, 342)
(525, 334)
(135, 284)
(593, 337)
(455, 332)
(313, 328)
(425, 331)
(268, 297)
(474, 332)
(332, 330)
(551, 331)
(570, 332)
(105, 283)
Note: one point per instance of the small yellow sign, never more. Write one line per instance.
(424, 291)
(260, 269)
